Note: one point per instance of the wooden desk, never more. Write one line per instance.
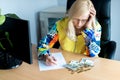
(104, 69)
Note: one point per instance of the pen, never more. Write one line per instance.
(48, 53)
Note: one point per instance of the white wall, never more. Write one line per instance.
(115, 25)
(62, 2)
(26, 9)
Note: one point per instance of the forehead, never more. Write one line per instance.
(82, 16)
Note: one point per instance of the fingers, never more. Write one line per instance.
(54, 58)
(93, 11)
(51, 61)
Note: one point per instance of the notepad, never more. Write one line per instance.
(60, 63)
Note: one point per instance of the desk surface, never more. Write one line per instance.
(104, 69)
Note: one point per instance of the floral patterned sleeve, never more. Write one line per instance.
(92, 37)
(47, 42)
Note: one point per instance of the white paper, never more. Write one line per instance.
(60, 62)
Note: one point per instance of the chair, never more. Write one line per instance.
(102, 7)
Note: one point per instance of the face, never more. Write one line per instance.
(80, 21)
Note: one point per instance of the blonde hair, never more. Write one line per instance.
(78, 8)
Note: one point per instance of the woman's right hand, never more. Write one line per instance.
(50, 60)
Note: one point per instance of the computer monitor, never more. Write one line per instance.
(15, 43)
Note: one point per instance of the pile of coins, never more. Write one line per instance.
(79, 66)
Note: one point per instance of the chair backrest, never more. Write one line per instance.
(103, 15)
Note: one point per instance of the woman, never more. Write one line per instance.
(78, 32)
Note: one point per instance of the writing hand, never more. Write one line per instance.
(50, 60)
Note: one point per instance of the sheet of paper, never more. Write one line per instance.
(60, 62)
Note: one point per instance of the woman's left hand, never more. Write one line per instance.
(91, 17)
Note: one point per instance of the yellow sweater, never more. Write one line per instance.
(66, 43)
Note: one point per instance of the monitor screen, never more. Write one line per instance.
(15, 39)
